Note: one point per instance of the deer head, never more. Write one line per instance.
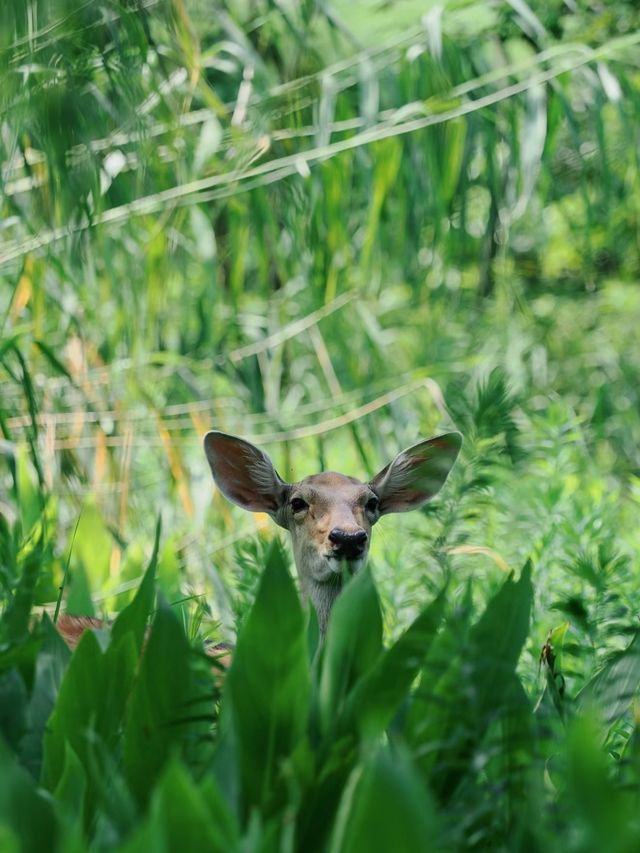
(329, 515)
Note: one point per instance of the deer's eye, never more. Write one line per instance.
(372, 504)
(297, 505)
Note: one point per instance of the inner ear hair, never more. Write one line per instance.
(244, 473)
(416, 474)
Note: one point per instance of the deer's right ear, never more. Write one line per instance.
(416, 474)
(245, 474)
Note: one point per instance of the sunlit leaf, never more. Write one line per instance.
(267, 689)
(352, 647)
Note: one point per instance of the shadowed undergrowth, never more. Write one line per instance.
(431, 741)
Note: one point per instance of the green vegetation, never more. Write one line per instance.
(333, 228)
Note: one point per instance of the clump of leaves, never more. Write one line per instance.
(348, 746)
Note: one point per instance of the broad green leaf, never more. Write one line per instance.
(378, 695)
(613, 689)
(134, 617)
(498, 637)
(439, 704)
(352, 647)
(334, 760)
(469, 686)
(386, 807)
(24, 808)
(96, 687)
(10, 841)
(192, 817)
(168, 707)
(70, 791)
(267, 689)
(77, 705)
(13, 707)
(51, 662)
(603, 813)
(505, 757)
(313, 633)
(89, 714)
(148, 836)
(352, 650)
(184, 815)
(223, 818)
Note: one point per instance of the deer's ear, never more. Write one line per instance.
(244, 473)
(416, 474)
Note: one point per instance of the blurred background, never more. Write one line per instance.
(332, 228)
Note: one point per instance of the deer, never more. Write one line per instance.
(329, 516)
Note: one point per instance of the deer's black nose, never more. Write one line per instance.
(349, 544)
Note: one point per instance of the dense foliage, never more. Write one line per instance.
(333, 228)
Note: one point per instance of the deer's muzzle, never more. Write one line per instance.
(348, 545)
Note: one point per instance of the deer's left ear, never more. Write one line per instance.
(245, 474)
(416, 474)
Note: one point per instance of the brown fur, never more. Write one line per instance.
(71, 628)
(334, 501)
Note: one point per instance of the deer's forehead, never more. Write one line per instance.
(331, 486)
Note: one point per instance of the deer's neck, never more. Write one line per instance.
(317, 583)
(322, 596)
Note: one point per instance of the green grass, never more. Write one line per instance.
(333, 229)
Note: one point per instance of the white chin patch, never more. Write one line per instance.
(327, 569)
(349, 567)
